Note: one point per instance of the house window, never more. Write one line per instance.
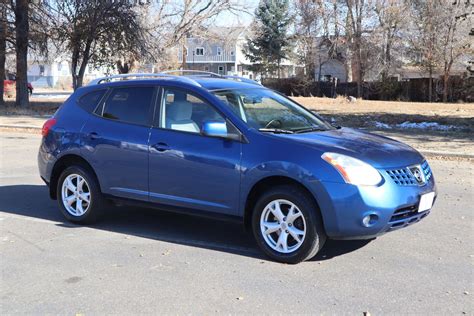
(41, 70)
(219, 51)
(206, 68)
(221, 70)
(199, 51)
(231, 53)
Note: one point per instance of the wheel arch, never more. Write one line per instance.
(262, 185)
(61, 164)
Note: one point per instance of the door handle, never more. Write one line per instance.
(93, 135)
(161, 147)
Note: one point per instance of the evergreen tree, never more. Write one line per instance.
(271, 42)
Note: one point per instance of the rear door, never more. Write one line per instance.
(116, 141)
(188, 169)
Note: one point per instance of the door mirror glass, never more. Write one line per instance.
(214, 129)
(220, 129)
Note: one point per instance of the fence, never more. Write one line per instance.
(459, 89)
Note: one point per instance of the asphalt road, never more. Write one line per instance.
(144, 261)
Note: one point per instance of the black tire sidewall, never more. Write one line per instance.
(315, 236)
(95, 196)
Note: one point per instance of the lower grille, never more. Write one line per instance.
(406, 216)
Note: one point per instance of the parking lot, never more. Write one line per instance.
(140, 261)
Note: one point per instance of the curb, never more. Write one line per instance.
(20, 127)
(423, 152)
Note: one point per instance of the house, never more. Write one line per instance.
(221, 51)
(56, 73)
(330, 55)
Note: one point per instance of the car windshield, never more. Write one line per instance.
(269, 111)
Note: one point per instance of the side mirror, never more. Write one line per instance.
(218, 129)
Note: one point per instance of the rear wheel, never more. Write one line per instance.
(79, 196)
(287, 225)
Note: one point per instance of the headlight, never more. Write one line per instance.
(353, 170)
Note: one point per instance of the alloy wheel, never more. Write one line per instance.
(283, 226)
(76, 195)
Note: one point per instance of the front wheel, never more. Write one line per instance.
(287, 225)
(79, 196)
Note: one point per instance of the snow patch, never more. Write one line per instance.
(382, 125)
(426, 125)
(414, 125)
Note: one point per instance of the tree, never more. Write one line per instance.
(3, 46)
(21, 45)
(440, 37)
(454, 42)
(357, 12)
(271, 43)
(94, 32)
(308, 15)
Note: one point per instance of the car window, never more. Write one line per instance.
(264, 109)
(90, 100)
(130, 105)
(184, 111)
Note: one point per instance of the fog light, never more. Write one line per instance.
(370, 220)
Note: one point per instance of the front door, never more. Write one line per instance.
(188, 169)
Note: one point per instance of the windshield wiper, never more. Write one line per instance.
(276, 130)
(309, 129)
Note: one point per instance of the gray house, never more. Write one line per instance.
(220, 51)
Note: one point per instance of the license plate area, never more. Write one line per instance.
(426, 202)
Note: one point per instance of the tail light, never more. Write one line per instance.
(47, 126)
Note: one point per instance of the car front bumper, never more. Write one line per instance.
(390, 206)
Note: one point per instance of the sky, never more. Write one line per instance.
(240, 18)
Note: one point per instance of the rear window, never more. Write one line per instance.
(90, 100)
(129, 105)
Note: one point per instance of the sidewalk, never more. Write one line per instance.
(430, 144)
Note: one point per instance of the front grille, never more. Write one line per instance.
(403, 176)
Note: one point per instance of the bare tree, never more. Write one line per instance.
(171, 22)
(308, 22)
(3, 46)
(440, 37)
(21, 36)
(357, 12)
(391, 16)
(453, 40)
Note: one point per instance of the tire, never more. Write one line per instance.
(305, 217)
(85, 212)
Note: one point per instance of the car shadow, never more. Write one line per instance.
(33, 201)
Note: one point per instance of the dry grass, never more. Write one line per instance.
(37, 106)
(342, 105)
(364, 113)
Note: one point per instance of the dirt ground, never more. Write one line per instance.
(364, 113)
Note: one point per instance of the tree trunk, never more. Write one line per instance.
(3, 44)
(22, 28)
(445, 87)
(430, 85)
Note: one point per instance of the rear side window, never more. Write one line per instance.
(130, 105)
(90, 100)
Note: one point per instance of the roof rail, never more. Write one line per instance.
(188, 72)
(142, 76)
(242, 79)
(199, 73)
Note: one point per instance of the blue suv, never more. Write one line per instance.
(229, 148)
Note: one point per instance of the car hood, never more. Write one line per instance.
(379, 151)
